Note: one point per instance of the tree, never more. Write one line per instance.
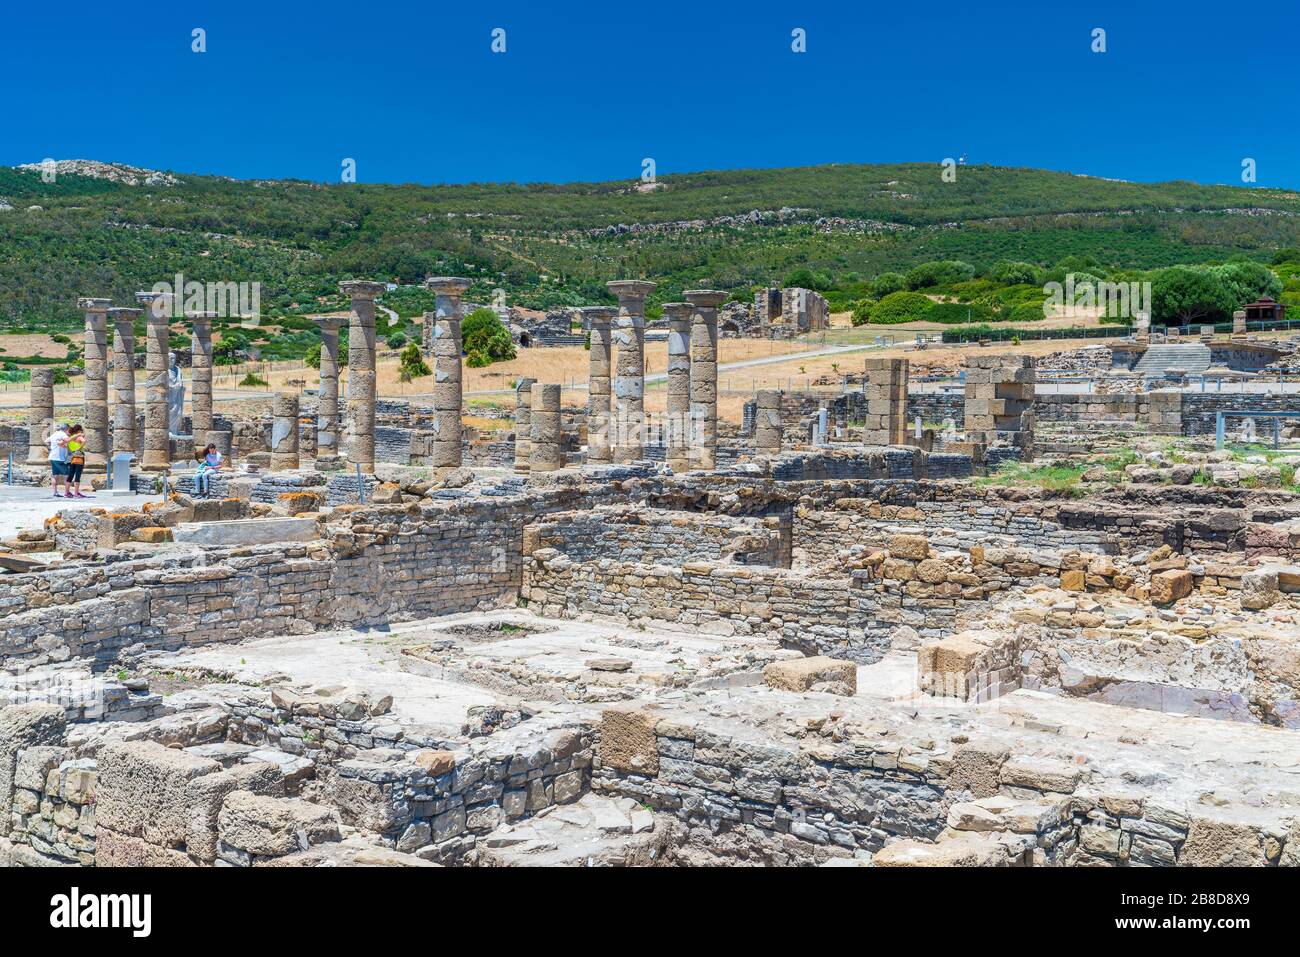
(1184, 293)
(886, 283)
(485, 338)
(411, 364)
(1014, 273)
(1245, 281)
(940, 272)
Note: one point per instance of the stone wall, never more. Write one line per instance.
(628, 534)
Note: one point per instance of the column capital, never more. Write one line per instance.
(447, 285)
(705, 297)
(328, 323)
(158, 305)
(630, 288)
(124, 314)
(361, 288)
(677, 310)
(91, 304)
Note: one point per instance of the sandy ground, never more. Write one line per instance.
(35, 344)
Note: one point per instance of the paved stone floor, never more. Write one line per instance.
(25, 507)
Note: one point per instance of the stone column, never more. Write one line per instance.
(546, 452)
(629, 380)
(157, 438)
(767, 422)
(445, 346)
(704, 376)
(361, 371)
(224, 441)
(599, 319)
(96, 385)
(886, 418)
(327, 408)
(124, 437)
(523, 424)
(677, 421)
(201, 376)
(40, 418)
(999, 409)
(1239, 324)
(284, 431)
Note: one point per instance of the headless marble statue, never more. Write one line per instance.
(175, 396)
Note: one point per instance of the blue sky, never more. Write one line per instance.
(585, 91)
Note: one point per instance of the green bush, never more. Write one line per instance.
(485, 338)
(1025, 312)
(396, 340)
(900, 307)
(940, 272)
(411, 364)
(954, 313)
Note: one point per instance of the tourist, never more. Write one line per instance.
(76, 460)
(209, 462)
(58, 443)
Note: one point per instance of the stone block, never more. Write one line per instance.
(803, 674)
(1169, 586)
(142, 790)
(912, 547)
(627, 740)
(270, 826)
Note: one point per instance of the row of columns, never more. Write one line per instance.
(691, 428)
(157, 439)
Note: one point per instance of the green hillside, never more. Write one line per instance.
(549, 245)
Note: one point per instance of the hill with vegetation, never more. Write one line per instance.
(837, 228)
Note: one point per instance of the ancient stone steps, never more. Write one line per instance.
(1159, 359)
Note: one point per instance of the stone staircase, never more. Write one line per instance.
(1192, 358)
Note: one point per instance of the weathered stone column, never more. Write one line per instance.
(524, 424)
(327, 408)
(704, 375)
(40, 416)
(224, 441)
(629, 380)
(767, 422)
(96, 385)
(445, 347)
(886, 418)
(157, 438)
(599, 320)
(284, 431)
(124, 437)
(677, 421)
(361, 371)
(201, 376)
(547, 452)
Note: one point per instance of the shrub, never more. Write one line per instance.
(954, 313)
(485, 337)
(900, 307)
(396, 340)
(411, 364)
(1025, 312)
(252, 379)
(940, 272)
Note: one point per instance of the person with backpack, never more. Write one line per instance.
(76, 461)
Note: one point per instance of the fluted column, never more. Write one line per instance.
(157, 436)
(547, 451)
(124, 437)
(599, 320)
(327, 408)
(201, 376)
(678, 418)
(629, 379)
(96, 384)
(284, 431)
(704, 376)
(524, 424)
(40, 417)
(445, 347)
(361, 371)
